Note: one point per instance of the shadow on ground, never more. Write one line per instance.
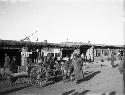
(54, 80)
(76, 93)
(103, 94)
(113, 93)
(116, 65)
(87, 72)
(58, 79)
(68, 92)
(12, 90)
(82, 93)
(90, 76)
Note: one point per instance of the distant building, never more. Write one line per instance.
(14, 48)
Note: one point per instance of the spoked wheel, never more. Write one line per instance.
(28, 80)
(33, 75)
(33, 81)
(42, 82)
(39, 76)
(42, 77)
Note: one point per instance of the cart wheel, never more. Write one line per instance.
(28, 80)
(33, 81)
(43, 82)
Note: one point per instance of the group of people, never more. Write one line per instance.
(76, 67)
(113, 59)
(71, 67)
(10, 65)
(67, 66)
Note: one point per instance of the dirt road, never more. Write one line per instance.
(98, 81)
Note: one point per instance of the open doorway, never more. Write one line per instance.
(10, 53)
(66, 53)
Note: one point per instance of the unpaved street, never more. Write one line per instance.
(98, 81)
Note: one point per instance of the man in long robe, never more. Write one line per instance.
(112, 60)
(64, 69)
(13, 65)
(78, 71)
(7, 62)
(122, 70)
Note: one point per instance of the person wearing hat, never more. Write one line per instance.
(78, 63)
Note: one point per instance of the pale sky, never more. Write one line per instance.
(97, 21)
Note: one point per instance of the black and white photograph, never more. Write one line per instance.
(62, 47)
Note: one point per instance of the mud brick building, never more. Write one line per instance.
(95, 51)
(24, 49)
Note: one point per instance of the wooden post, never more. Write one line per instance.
(24, 58)
(93, 53)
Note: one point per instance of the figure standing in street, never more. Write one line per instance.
(70, 70)
(122, 70)
(7, 62)
(13, 65)
(112, 60)
(78, 63)
(89, 58)
(64, 69)
(119, 56)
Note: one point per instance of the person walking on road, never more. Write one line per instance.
(78, 63)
